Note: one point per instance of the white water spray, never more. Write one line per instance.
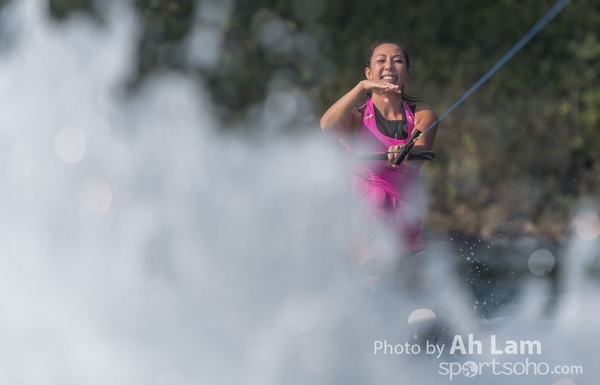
(142, 245)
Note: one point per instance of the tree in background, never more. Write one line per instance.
(515, 157)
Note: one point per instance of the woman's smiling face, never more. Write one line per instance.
(388, 64)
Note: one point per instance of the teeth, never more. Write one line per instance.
(388, 78)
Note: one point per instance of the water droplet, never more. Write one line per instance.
(69, 145)
(422, 321)
(421, 315)
(587, 225)
(541, 262)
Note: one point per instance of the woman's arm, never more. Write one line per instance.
(340, 118)
(424, 118)
(343, 117)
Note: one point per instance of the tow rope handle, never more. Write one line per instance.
(407, 147)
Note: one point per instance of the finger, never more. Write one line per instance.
(391, 157)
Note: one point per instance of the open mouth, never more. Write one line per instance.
(389, 78)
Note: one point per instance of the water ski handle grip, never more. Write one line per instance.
(407, 147)
(379, 156)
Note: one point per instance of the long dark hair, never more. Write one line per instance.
(377, 43)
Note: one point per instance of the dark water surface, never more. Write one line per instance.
(492, 271)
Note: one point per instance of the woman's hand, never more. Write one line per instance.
(393, 152)
(378, 87)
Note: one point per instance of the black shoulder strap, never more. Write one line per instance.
(413, 107)
(362, 107)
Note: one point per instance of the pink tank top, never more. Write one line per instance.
(401, 185)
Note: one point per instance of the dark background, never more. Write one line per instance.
(514, 158)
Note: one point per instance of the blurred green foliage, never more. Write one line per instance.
(166, 23)
(62, 8)
(515, 156)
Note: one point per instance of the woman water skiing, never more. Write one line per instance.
(390, 192)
